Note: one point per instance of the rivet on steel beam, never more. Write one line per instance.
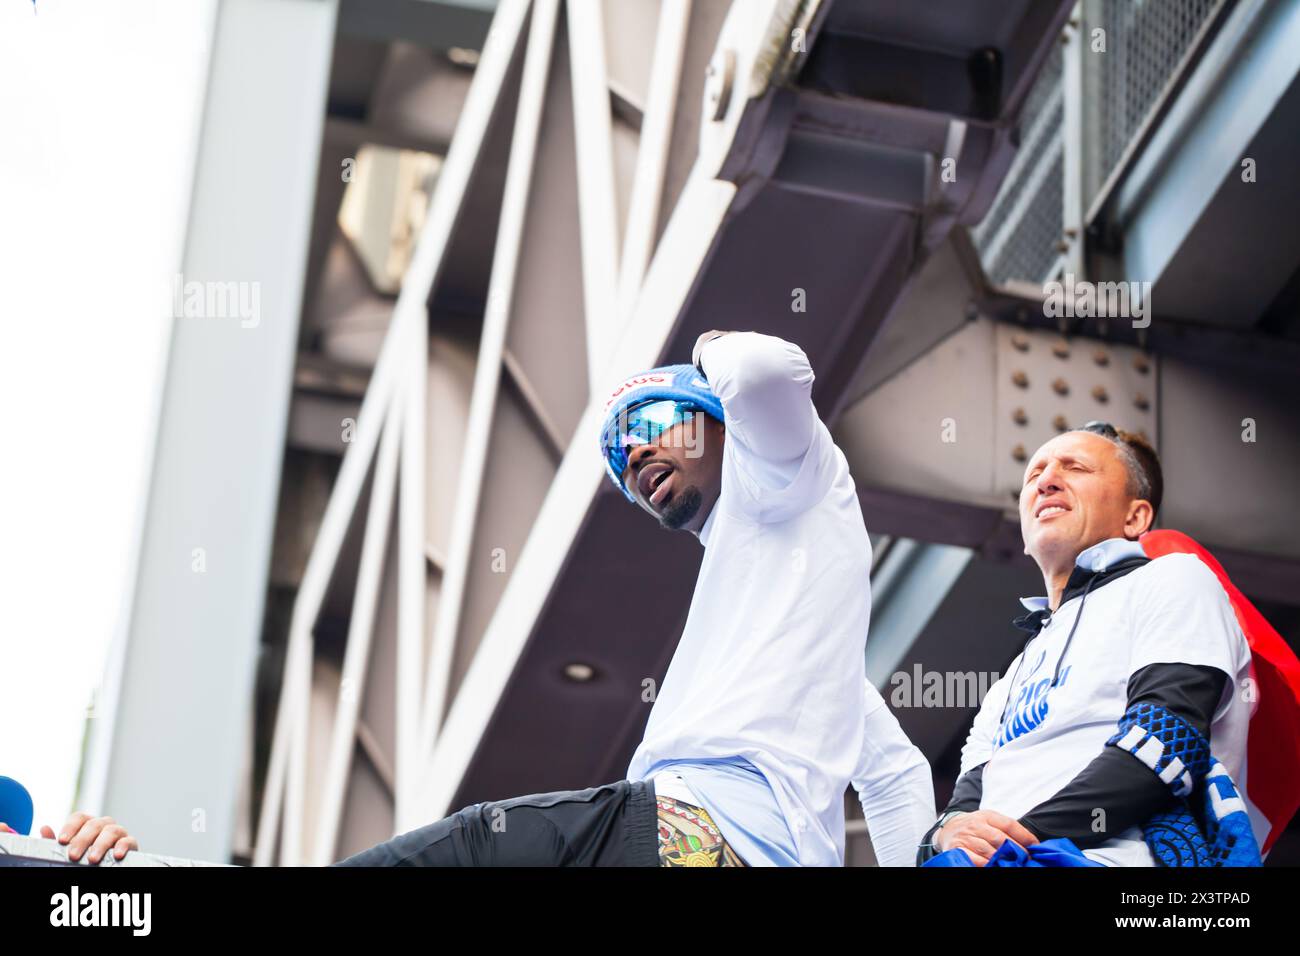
(579, 673)
(1018, 453)
(1061, 350)
(1019, 416)
(1060, 386)
(718, 80)
(1100, 357)
(1099, 393)
(1060, 424)
(1141, 401)
(1141, 364)
(1019, 379)
(1021, 342)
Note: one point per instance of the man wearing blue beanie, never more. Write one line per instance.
(765, 716)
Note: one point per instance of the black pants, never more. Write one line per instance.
(611, 825)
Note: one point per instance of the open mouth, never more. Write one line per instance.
(661, 491)
(654, 484)
(1050, 510)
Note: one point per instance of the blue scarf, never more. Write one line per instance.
(1061, 852)
(1208, 825)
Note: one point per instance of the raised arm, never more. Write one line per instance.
(765, 386)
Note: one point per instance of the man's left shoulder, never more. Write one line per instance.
(1180, 570)
(1175, 583)
(1181, 612)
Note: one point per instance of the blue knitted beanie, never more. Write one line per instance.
(682, 383)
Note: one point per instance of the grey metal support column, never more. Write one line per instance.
(168, 742)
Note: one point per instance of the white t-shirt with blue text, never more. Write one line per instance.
(1171, 610)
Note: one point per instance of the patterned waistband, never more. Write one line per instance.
(687, 834)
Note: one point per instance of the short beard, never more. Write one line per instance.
(682, 509)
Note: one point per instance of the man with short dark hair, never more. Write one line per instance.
(1128, 661)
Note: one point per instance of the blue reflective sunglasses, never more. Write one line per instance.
(641, 425)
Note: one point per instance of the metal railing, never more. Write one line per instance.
(19, 850)
(1119, 66)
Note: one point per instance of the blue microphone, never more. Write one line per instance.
(15, 805)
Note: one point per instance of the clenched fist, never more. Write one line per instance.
(980, 833)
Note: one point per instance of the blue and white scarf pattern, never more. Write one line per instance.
(1209, 825)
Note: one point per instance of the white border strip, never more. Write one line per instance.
(448, 196)
(360, 632)
(594, 153)
(487, 374)
(652, 151)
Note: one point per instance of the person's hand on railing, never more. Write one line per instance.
(82, 832)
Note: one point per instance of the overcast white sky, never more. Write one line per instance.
(99, 108)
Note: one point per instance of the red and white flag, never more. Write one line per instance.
(1272, 782)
